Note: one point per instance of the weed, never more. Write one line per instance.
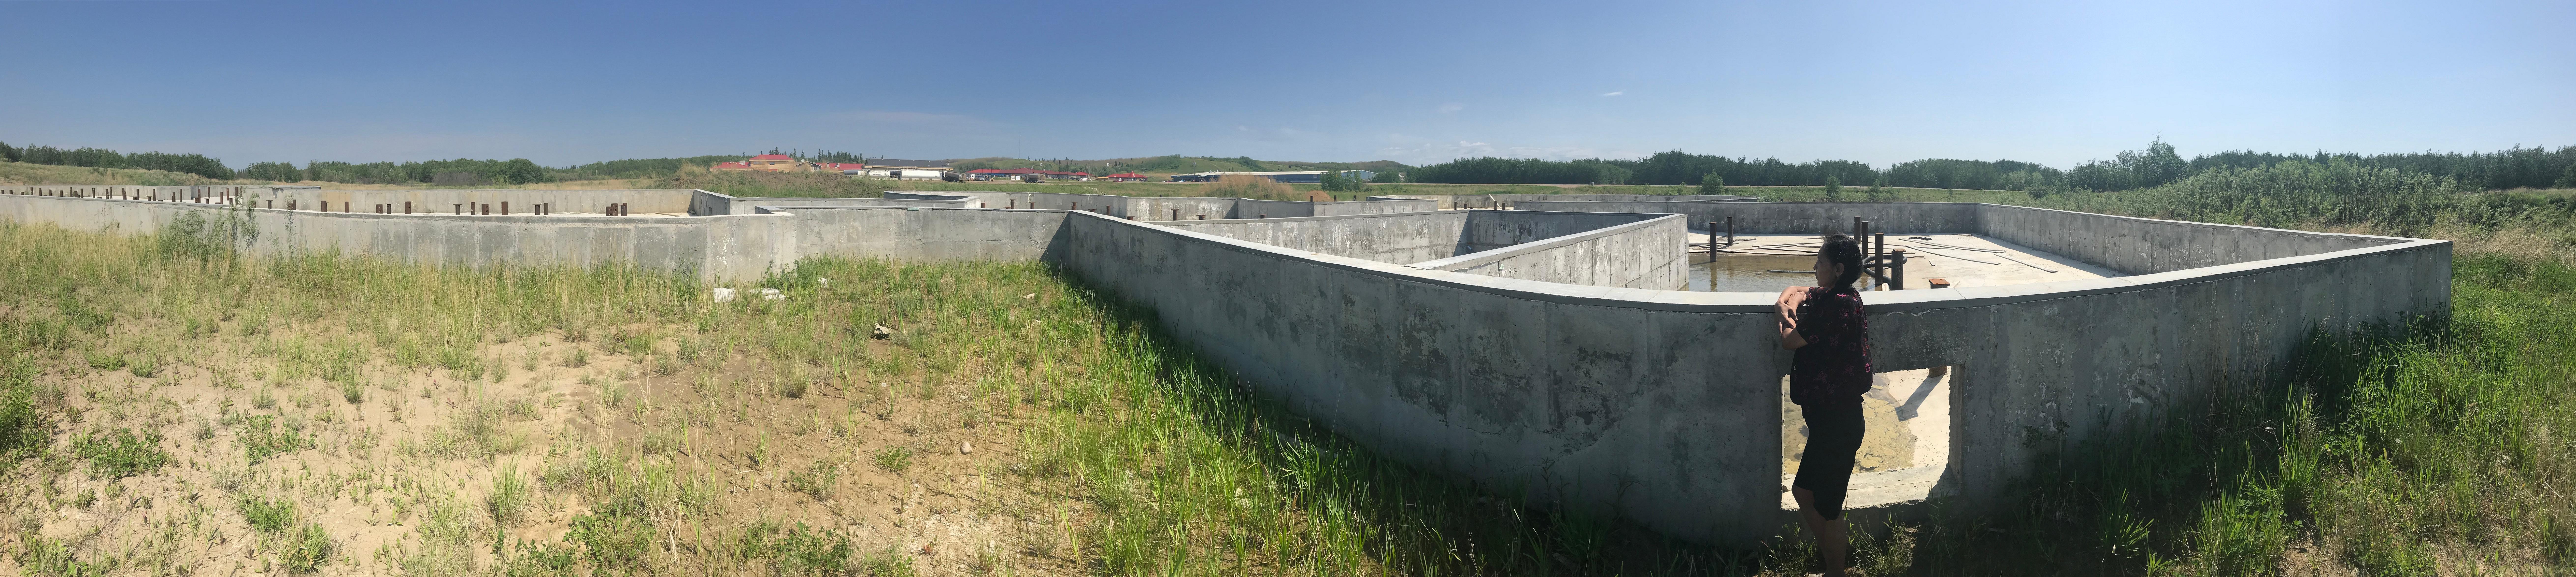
(106, 360)
(353, 392)
(262, 400)
(889, 563)
(792, 387)
(797, 550)
(306, 550)
(616, 536)
(261, 438)
(120, 454)
(816, 480)
(267, 516)
(534, 559)
(145, 365)
(893, 459)
(509, 495)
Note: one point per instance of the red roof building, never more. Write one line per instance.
(1125, 177)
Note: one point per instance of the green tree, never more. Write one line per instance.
(1833, 187)
(7, 153)
(521, 171)
(2567, 180)
(273, 171)
(1712, 184)
(1388, 177)
(1330, 181)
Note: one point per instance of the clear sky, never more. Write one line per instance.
(1878, 82)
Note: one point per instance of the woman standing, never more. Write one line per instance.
(1830, 371)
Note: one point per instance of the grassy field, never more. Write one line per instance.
(168, 407)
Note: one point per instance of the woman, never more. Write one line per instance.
(1823, 325)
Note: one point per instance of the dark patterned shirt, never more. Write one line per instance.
(1833, 369)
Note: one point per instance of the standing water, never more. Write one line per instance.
(1752, 273)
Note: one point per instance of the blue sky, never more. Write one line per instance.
(1879, 82)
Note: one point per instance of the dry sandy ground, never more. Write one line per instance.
(398, 478)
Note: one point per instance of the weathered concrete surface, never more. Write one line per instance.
(1795, 217)
(716, 248)
(1388, 238)
(1647, 254)
(1168, 208)
(1662, 406)
(1600, 249)
(754, 205)
(1459, 201)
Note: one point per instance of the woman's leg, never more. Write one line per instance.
(1824, 475)
(1828, 532)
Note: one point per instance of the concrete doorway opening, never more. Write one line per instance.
(1905, 454)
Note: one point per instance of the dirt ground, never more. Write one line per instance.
(397, 472)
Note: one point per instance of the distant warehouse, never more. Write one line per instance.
(898, 168)
(1292, 176)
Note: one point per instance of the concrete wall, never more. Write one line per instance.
(1493, 229)
(1650, 254)
(1458, 201)
(169, 193)
(1162, 208)
(1661, 406)
(1388, 238)
(756, 205)
(715, 248)
(2125, 244)
(1795, 217)
(2140, 246)
(927, 235)
(443, 201)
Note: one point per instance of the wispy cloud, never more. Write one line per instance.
(1614, 93)
(1448, 107)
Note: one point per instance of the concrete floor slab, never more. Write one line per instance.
(1965, 260)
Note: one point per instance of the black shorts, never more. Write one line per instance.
(1833, 442)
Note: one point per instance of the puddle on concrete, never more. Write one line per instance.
(1748, 273)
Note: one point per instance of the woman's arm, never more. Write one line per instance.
(1790, 298)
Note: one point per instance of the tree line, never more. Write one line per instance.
(2157, 164)
(197, 164)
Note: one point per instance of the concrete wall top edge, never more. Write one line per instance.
(1475, 258)
(1757, 302)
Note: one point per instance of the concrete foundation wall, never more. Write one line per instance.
(1386, 238)
(1660, 406)
(1795, 217)
(756, 205)
(927, 235)
(1458, 201)
(168, 193)
(1163, 208)
(1650, 254)
(444, 201)
(2140, 246)
(715, 248)
(1493, 229)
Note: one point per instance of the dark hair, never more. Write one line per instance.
(1841, 249)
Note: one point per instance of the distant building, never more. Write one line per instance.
(1291, 177)
(1027, 173)
(1125, 177)
(768, 163)
(903, 169)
